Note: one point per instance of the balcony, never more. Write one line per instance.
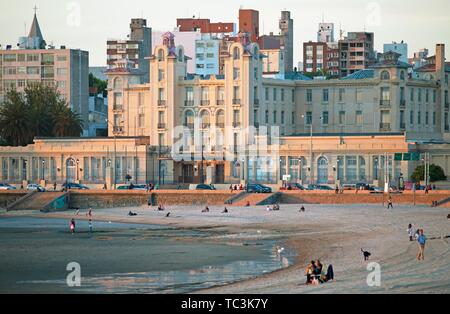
(385, 126)
(161, 126)
(385, 103)
(447, 105)
(117, 107)
(256, 102)
(161, 103)
(189, 103)
(236, 125)
(190, 126)
(402, 126)
(204, 102)
(236, 101)
(205, 125)
(220, 102)
(256, 125)
(118, 129)
(220, 125)
(402, 103)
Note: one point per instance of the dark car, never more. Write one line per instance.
(320, 187)
(258, 188)
(136, 187)
(298, 186)
(209, 187)
(74, 186)
(362, 186)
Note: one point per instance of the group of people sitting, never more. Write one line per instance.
(131, 214)
(161, 208)
(275, 207)
(315, 273)
(236, 188)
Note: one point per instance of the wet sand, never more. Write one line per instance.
(333, 233)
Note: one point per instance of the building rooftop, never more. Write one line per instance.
(360, 75)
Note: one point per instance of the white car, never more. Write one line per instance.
(6, 187)
(35, 187)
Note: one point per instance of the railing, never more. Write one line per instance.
(256, 102)
(236, 124)
(385, 103)
(402, 103)
(161, 125)
(447, 105)
(161, 103)
(205, 125)
(118, 107)
(189, 125)
(204, 102)
(236, 101)
(220, 102)
(385, 126)
(189, 103)
(220, 125)
(402, 126)
(118, 129)
(256, 124)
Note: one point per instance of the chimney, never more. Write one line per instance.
(440, 61)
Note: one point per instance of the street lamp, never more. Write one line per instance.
(115, 151)
(43, 169)
(78, 162)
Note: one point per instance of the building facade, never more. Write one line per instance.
(400, 48)
(356, 52)
(136, 48)
(33, 62)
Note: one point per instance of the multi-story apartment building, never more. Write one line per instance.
(205, 26)
(287, 40)
(207, 55)
(241, 127)
(249, 23)
(66, 69)
(356, 52)
(400, 48)
(325, 34)
(136, 48)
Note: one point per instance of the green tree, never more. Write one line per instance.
(15, 120)
(99, 84)
(436, 173)
(39, 111)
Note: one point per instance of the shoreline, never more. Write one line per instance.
(333, 234)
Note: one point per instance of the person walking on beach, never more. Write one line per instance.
(390, 203)
(72, 226)
(421, 240)
(90, 225)
(89, 213)
(411, 232)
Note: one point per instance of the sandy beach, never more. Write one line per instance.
(333, 233)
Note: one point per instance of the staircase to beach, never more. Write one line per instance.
(36, 201)
(253, 199)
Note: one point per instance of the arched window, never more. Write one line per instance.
(189, 119)
(322, 170)
(402, 75)
(117, 83)
(385, 75)
(220, 119)
(205, 117)
(161, 55)
(236, 53)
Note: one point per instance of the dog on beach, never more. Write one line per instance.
(366, 254)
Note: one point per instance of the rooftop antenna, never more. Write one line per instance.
(35, 9)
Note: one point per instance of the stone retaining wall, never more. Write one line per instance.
(9, 197)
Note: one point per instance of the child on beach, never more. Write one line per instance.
(390, 203)
(421, 240)
(411, 232)
(72, 226)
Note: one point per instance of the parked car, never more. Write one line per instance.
(74, 186)
(349, 187)
(35, 187)
(6, 186)
(137, 187)
(319, 187)
(205, 187)
(362, 186)
(258, 188)
(298, 186)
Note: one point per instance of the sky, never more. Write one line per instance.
(87, 24)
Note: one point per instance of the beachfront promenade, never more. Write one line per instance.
(22, 200)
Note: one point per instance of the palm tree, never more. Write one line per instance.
(15, 120)
(65, 121)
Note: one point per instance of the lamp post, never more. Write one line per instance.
(299, 179)
(115, 152)
(43, 169)
(78, 177)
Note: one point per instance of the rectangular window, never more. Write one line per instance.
(274, 94)
(341, 94)
(160, 75)
(33, 70)
(385, 94)
(221, 93)
(426, 117)
(189, 94)
(420, 95)
(293, 118)
(411, 94)
(274, 117)
(325, 117)
(266, 117)
(434, 118)
(309, 95)
(161, 95)
(9, 57)
(359, 96)
(325, 95)
(419, 118)
(293, 95)
(282, 117)
(434, 96)
(61, 58)
(267, 93)
(61, 71)
(411, 117)
(205, 93)
(282, 94)
(427, 95)
(308, 118)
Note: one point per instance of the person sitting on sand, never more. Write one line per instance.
(319, 267)
(248, 204)
(310, 272)
(225, 211)
(132, 214)
(302, 209)
(206, 210)
(268, 208)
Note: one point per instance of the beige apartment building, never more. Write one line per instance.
(66, 69)
(241, 127)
